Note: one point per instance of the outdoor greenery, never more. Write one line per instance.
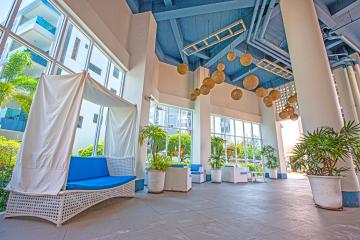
(155, 136)
(87, 151)
(357, 159)
(185, 146)
(217, 158)
(17, 85)
(319, 151)
(272, 162)
(8, 154)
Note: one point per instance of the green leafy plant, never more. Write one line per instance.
(356, 159)
(18, 85)
(217, 158)
(272, 162)
(8, 153)
(155, 136)
(319, 151)
(87, 151)
(185, 146)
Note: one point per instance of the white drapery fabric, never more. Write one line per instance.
(43, 160)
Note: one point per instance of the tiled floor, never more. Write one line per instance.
(273, 210)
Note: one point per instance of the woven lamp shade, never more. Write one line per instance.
(292, 99)
(260, 92)
(197, 91)
(209, 82)
(218, 77)
(236, 94)
(193, 97)
(294, 116)
(231, 56)
(267, 99)
(284, 114)
(182, 68)
(204, 90)
(251, 82)
(275, 94)
(220, 67)
(289, 109)
(246, 59)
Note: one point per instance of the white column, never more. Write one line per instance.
(140, 78)
(345, 94)
(201, 119)
(271, 134)
(317, 97)
(354, 89)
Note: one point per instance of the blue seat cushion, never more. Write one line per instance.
(179, 165)
(82, 168)
(195, 167)
(196, 172)
(99, 183)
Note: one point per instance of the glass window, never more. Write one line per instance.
(239, 128)
(256, 130)
(5, 8)
(98, 65)
(177, 123)
(247, 128)
(38, 23)
(115, 83)
(78, 64)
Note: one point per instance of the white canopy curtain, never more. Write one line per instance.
(44, 156)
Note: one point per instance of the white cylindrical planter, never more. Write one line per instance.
(156, 181)
(273, 173)
(216, 175)
(326, 191)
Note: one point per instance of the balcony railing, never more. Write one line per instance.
(41, 22)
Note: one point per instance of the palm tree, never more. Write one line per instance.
(156, 137)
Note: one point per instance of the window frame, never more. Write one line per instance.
(53, 58)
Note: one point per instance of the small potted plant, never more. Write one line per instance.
(157, 164)
(217, 159)
(318, 153)
(272, 162)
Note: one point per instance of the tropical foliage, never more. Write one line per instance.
(272, 162)
(87, 151)
(318, 152)
(17, 85)
(155, 136)
(356, 159)
(217, 158)
(185, 146)
(8, 154)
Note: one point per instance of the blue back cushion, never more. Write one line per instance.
(195, 167)
(87, 167)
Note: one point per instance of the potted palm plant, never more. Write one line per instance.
(318, 153)
(157, 164)
(272, 162)
(217, 159)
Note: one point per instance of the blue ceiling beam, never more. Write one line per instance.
(168, 3)
(340, 7)
(163, 57)
(238, 39)
(179, 39)
(134, 6)
(187, 8)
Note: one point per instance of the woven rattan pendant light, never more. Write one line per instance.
(292, 99)
(294, 117)
(250, 82)
(209, 82)
(218, 76)
(260, 92)
(204, 90)
(182, 68)
(193, 96)
(220, 67)
(231, 56)
(236, 94)
(275, 94)
(284, 114)
(197, 91)
(246, 59)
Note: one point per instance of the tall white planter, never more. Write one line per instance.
(326, 191)
(358, 176)
(216, 175)
(156, 181)
(273, 173)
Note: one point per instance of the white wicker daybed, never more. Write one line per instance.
(45, 182)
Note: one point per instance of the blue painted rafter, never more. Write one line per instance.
(163, 57)
(187, 8)
(239, 39)
(134, 6)
(178, 38)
